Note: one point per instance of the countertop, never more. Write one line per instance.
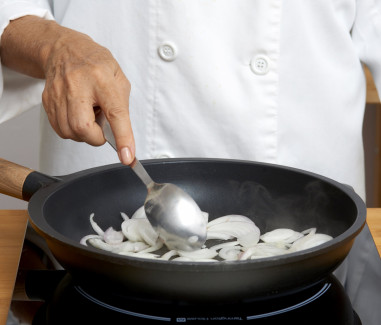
(12, 231)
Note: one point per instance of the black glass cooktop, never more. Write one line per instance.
(322, 303)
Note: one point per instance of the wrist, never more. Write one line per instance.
(29, 42)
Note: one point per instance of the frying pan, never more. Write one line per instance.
(273, 196)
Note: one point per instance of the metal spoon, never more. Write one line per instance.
(173, 213)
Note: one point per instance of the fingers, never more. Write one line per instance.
(81, 122)
(114, 102)
(75, 86)
(73, 118)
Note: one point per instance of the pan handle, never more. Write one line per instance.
(21, 182)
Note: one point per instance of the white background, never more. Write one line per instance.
(19, 143)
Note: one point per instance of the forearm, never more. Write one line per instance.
(80, 75)
(28, 41)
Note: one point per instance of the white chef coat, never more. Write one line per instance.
(263, 80)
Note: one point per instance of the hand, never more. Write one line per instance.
(80, 75)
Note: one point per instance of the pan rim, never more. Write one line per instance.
(51, 234)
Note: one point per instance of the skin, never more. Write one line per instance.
(80, 75)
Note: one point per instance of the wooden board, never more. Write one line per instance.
(12, 232)
(374, 222)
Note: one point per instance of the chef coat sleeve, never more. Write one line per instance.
(18, 92)
(366, 35)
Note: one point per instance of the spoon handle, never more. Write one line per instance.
(136, 166)
(141, 172)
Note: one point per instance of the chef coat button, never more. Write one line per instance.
(167, 51)
(259, 64)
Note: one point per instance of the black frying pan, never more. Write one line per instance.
(272, 196)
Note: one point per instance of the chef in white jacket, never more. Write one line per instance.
(264, 80)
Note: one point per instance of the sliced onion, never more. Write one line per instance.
(147, 233)
(130, 229)
(217, 235)
(230, 253)
(168, 255)
(308, 231)
(226, 244)
(159, 244)
(309, 241)
(206, 216)
(204, 253)
(129, 246)
(84, 240)
(113, 237)
(235, 229)
(228, 218)
(99, 243)
(139, 213)
(281, 235)
(138, 238)
(95, 226)
(187, 259)
(262, 250)
(251, 238)
(141, 255)
(247, 253)
(139, 229)
(124, 216)
(205, 260)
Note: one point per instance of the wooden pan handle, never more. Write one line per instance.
(12, 178)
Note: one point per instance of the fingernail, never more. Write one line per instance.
(125, 156)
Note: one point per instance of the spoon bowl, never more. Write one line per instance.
(172, 212)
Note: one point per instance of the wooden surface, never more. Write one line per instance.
(371, 93)
(372, 138)
(12, 231)
(374, 222)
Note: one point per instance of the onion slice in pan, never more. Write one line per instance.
(241, 240)
(281, 235)
(112, 236)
